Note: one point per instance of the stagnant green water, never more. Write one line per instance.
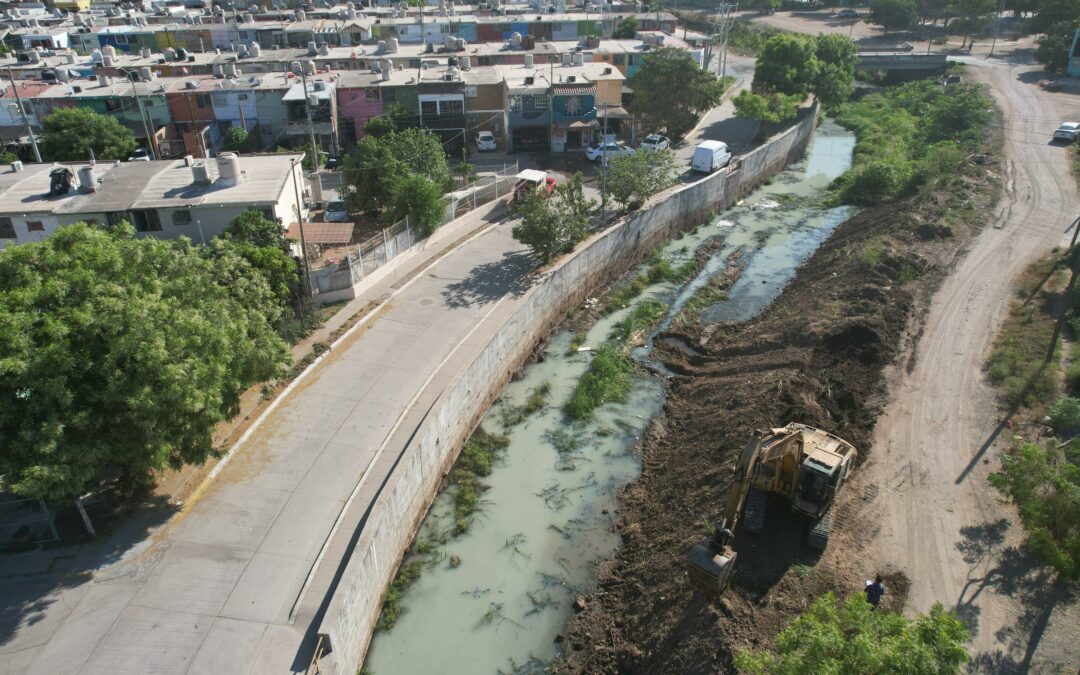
(497, 596)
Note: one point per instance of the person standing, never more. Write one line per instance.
(874, 590)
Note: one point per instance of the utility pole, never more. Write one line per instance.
(997, 26)
(1059, 324)
(300, 222)
(26, 120)
(310, 124)
(725, 17)
(195, 127)
(603, 174)
(142, 115)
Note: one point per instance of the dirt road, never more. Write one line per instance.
(937, 518)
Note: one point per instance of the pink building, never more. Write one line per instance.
(358, 101)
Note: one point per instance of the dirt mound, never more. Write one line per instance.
(816, 356)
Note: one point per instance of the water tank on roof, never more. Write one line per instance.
(312, 50)
(392, 45)
(528, 60)
(145, 52)
(87, 179)
(109, 50)
(108, 61)
(309, 67)
(145, 74)
(515, 40)
(200, 173)
(255, 49)
(228, 164)
(35, 56)
(219, 70)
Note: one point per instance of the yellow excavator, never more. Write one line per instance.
(804, 465)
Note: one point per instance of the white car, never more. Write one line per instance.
(140, 155)
(606, 152)
(1068, 131)
(655, 143)
(485, 141)
(336, 211)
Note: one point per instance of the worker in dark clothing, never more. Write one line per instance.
(874, 590)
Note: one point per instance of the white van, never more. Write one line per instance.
(710, 156)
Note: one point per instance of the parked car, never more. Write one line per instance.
(533, 181)
(847, 14)
(332, 163)
(1068, 132)
(336, 211)
(655, 143)
(485, 141)
(140, 155)
(606, 152)
(710, 156)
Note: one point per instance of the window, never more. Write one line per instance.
(541, 102)
(470, 92)
(451, 108)
(619, 59)
(181, 217)
(220, 100)
(269, 215)
(372, 93)
(429, 108)
(242, 97)
(146, 221)
(115, 217)
(203, 101)
(515, 104)
(389, 95)
(7, 229)
(573, 105)
(113, 104)
(35, 226)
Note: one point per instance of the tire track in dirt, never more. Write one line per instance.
(938, 520)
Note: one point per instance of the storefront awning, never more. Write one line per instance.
(574, 90)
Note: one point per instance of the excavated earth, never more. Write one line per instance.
(815, 355)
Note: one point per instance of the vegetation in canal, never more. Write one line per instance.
(474, 463)
(659, 270)
(913, 138)
(513, 415)
(608, 379)
(642, 318)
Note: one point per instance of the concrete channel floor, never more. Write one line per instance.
(212, 591)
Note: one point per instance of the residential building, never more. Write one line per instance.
(162, 199)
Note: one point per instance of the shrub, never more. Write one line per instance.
(1065, 414)
(608, 379)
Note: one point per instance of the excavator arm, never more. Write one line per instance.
(713, 559)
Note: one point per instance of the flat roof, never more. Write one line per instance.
(124, 186)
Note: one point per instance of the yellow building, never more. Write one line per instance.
(70, 5)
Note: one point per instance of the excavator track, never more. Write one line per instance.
(754, 512)
(818, 536)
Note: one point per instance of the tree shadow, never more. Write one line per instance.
(32, 581)
(488, 282)
(1016, 573)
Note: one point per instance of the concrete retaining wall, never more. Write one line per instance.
(352, 612)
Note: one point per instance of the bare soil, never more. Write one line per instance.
(816, 355)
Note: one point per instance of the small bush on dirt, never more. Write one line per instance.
(608, 379)
(1045, 486)
(1065, 414)
(853, 638)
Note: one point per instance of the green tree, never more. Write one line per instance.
(668, 70)
(786, 64)
(1044, 483)
(236, 139)
(8, 157)
(631, 179)
(1054, 12)
(383, 124)
(253, 227)
(552, 225)
(626, 30)
(123, 353)
(837, 57)
(893, 14)
(419, 199)
(70, 134)
(853, 638)
(377, 164)
(974, 14)
(771, 108)
(1054, 46)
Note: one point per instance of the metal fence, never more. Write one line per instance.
(25, 522)
(368, 256)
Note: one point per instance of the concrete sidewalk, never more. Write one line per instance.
(212, 590)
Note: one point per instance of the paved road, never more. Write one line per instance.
(235, 582)
(212, 591)
(935, 516)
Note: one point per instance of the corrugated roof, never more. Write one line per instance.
(322, 233)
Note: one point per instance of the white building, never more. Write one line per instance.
(166, 199)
